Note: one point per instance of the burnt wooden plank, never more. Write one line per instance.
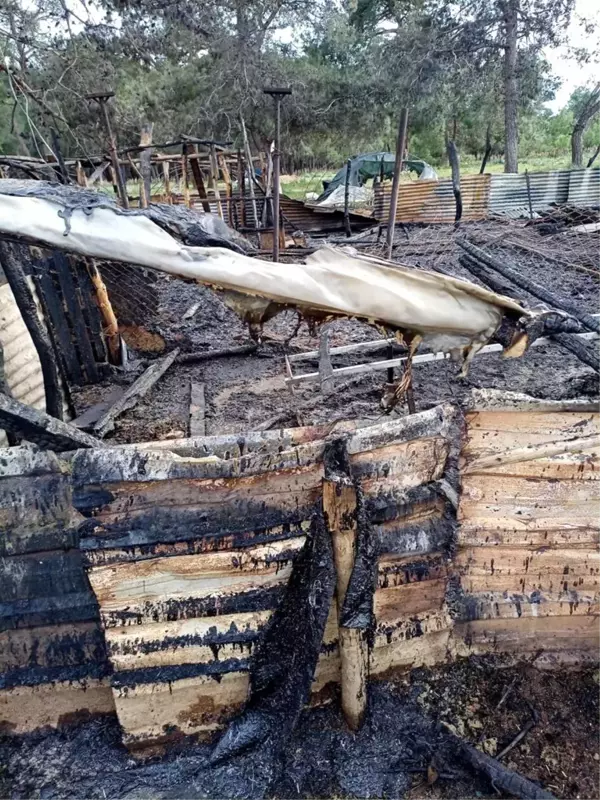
(10, 258)
(28, 708)
(188, 510)
(81, 338)
(86, 293)
(135, 392)
(36, 513)
(44, 589)
(55, 312)
(40, 428)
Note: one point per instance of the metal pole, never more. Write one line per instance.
(277, 95)
(276, 171)
(400, 146)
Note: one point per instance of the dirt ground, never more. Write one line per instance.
(406, 747)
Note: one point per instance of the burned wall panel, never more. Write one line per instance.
(527, 559)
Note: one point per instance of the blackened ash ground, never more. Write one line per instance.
(403, 750)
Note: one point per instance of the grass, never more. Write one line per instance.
(297, 185)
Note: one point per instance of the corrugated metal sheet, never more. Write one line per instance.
(433, 201)
(22, 368)
(509, 191)
(21, 363)
(584, 187)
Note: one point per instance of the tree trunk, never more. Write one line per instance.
(511, 87)
(488, 149)
(577, 146)
(587, 113)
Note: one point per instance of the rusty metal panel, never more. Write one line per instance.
(433, 201)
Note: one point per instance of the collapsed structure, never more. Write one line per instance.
(179, 583)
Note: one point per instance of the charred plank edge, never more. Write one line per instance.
(41, 428)
(17, 281)
(263, 599)
(135, 392)
(36, 676)
(53, 310)
(129, 679)
(69, 292)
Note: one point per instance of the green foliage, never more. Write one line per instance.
(193, 68)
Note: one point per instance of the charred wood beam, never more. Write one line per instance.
(587, 355)
(501, 777)
(455, 166)
(17, 281)
(530, 286)
(210, 355)
(40, 428)
(134, 393)
(340, 505)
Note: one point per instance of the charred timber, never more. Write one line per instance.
(17, 281)
(42, 429)
(591, 323)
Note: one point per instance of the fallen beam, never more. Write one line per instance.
(209, 355)
(591, 322)
(501, 777)
(577, 347)
(40, 428)
(134, 393)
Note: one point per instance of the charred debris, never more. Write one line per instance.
(299, 534)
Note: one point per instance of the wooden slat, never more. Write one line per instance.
(402, 465)
(576, 634)
(52, 646)
(158, 711)
(146, 588)
(81, 337)
(29, 708)
(190, 641)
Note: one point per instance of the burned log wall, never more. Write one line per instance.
(189, 548)
(527, 557)
(53, 664)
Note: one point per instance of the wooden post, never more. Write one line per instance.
(228, 189)
(184, 177)
(197, 175)
(325, 367)
(145, 164)
(400, 146)
(214, 174)
(528, 183)
(81, 179)
(455, 166)
(241, 188)
(347, 227)
(64, 175)
(167, 182)
(251, 168)
(111, 326)
(339, 506)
